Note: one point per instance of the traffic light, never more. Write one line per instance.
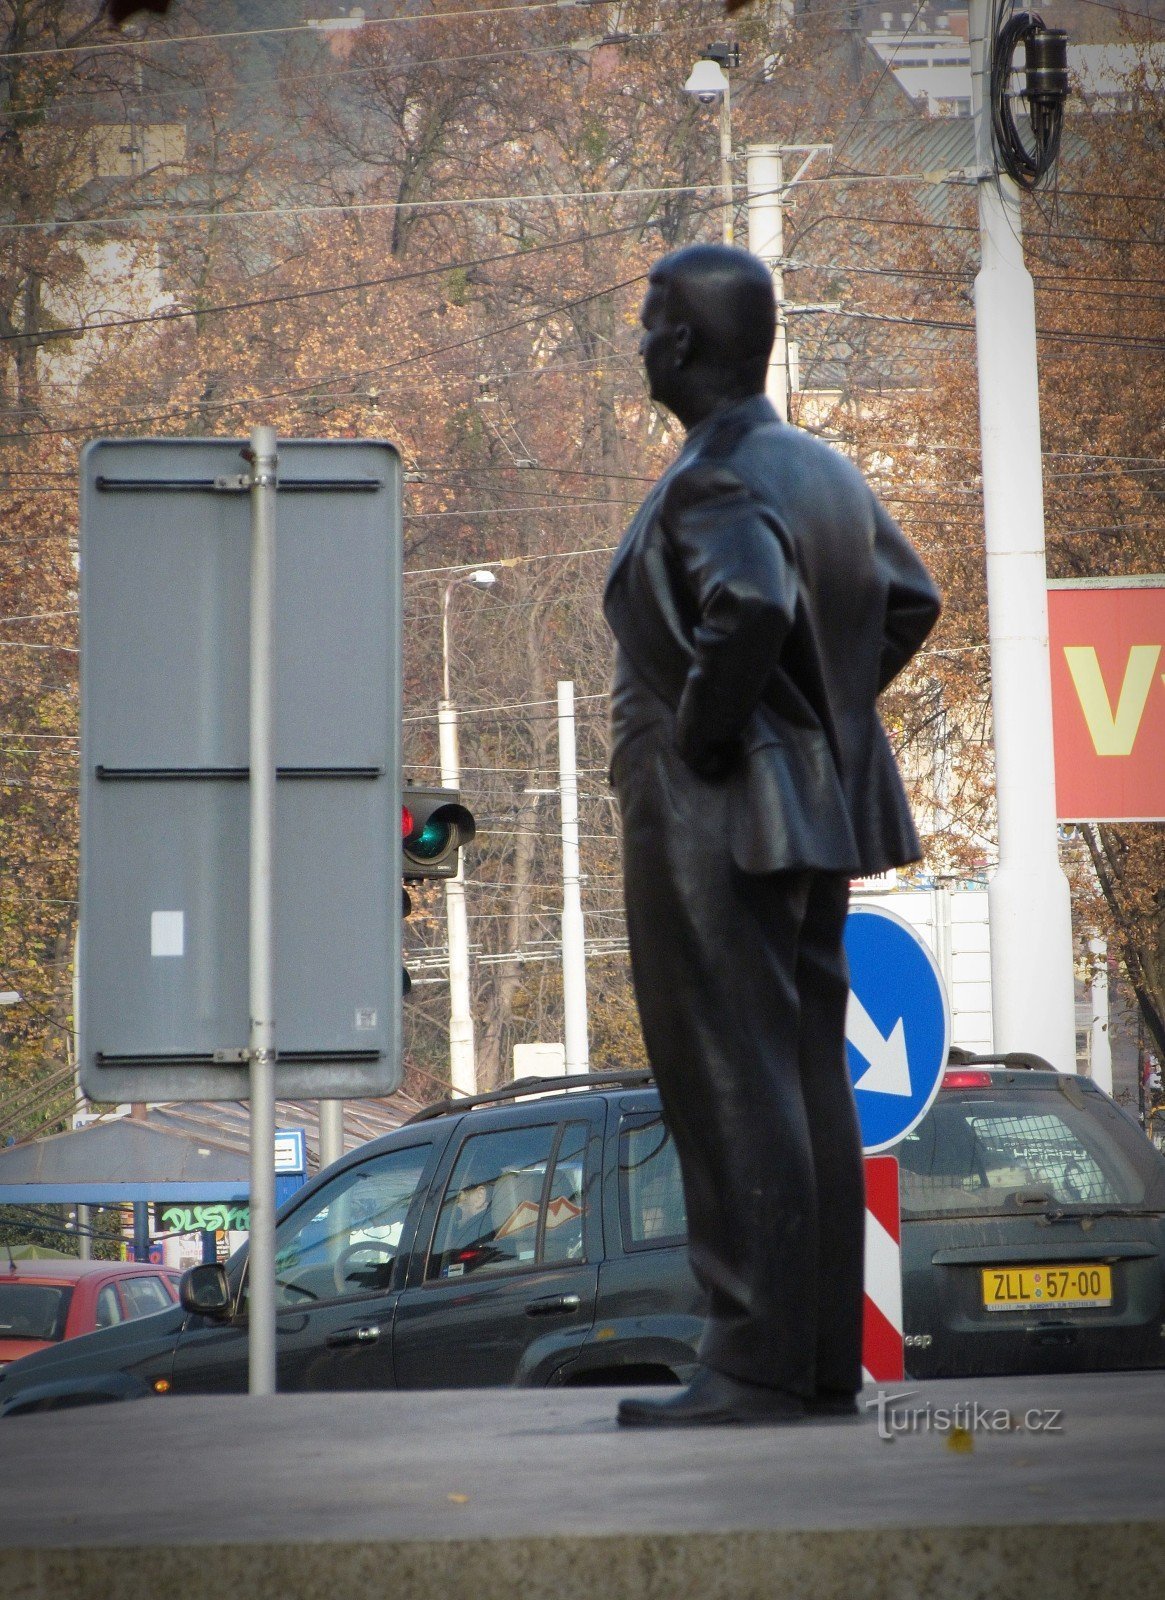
(434, 825)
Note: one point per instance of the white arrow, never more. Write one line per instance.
(889, 1069)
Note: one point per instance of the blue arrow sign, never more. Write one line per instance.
(897, 1025)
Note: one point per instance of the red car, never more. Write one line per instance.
(42, 1302)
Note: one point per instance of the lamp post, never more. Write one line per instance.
(708, 81)
(462, 1063)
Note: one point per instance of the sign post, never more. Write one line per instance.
(261, 1045)
(898, 1035)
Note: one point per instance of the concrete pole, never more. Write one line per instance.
(331, 1131)
(1033, 1002)
(462, 1058)
(766, 239)
(729, 227)
(1100, 1038)
(574, 958)
(261, 1052)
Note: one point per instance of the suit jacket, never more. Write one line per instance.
(765, 594)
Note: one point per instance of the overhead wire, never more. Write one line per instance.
(151, 41)
(297, 391)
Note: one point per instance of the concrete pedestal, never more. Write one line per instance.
(505, 1495)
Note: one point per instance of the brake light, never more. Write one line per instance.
(960, 1079)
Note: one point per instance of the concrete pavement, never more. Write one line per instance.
(473, 1495)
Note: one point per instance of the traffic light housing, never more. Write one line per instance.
(434, 825)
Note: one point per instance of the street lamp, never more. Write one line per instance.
(462, 1062)
(481, 579)
(708, 81)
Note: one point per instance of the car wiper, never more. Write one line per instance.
(1082, 1212)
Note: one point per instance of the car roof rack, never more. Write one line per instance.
(631, 1078)
(1026, 1059)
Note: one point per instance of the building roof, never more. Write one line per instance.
(179, 1151)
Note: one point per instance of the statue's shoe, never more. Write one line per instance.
(713, 1399)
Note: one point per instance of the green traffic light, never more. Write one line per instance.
(432, 841)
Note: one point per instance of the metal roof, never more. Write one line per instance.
(179, 1151)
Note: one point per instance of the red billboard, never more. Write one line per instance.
(1107, 640)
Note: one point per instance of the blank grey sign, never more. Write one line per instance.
(165, 580)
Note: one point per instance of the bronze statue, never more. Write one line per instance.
(761, 600)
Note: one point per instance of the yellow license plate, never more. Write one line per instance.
(1033, 1288)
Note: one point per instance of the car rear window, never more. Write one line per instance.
(143, 1296)
(1026, 1149)
(33, 1310)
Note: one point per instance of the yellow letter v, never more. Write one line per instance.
(1112, 735)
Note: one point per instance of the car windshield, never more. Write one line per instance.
(1016, 1149)
(33, 1310)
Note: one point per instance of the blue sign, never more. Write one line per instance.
(897, 1025)
(291, 1151)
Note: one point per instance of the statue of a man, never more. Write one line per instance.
(761, 600)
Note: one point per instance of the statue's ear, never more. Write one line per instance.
(682, 342)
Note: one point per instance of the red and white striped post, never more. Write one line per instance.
(882, 1347)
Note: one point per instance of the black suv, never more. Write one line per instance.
(1033, 1227)
(535, 1236)
(538, 1236)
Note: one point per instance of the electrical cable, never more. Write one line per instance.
(1045, 52)
(525, 8)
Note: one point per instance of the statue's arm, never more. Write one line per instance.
(912, 600)
(736, 567)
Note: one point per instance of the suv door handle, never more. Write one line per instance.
(552, 1304)
(366, 1335)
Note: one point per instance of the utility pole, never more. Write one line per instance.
(574, 961)
(1033, 1000)
(766, 239)
(462, 1057)
(728, 223)
(462, 1050)
(1100, 1039)
(331, 1131)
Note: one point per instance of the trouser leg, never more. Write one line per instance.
(714, 964)
(823, 985)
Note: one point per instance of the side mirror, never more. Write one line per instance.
(206, 1291)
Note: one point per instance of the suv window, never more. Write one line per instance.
(514, 1199)
(344, 1240)
(652, 1212)
(1017, 1149)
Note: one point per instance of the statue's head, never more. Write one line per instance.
(709, 318)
